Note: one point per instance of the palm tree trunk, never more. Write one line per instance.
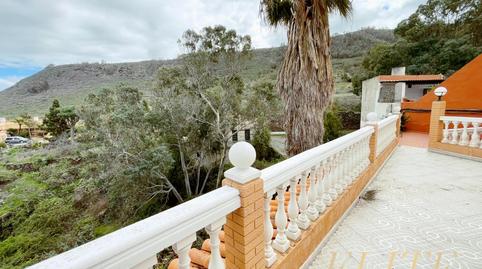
(305, 82)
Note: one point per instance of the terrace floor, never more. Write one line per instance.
(421, 206)
(414, 139)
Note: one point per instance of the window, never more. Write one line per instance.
(235, 136)
(247, 135)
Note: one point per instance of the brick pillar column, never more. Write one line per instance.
(436, 126)
(399, 123)
(372, 119)
(373, 142)
(244, 230)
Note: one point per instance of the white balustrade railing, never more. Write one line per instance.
(137, 245)
(387, 131)
(304, 185)
(463, 131)
(314, 178)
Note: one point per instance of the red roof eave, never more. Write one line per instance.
(403, 78)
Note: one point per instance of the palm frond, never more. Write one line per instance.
(343, 7)
(280, 12)
(276, 12)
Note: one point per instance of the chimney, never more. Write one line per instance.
(398, 70)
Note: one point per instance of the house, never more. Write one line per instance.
(384, 94)
(464, 98)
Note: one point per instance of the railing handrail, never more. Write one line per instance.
(387, 120)
(281, 172)
(139, 241)
(461, 119)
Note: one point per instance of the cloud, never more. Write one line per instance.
(37, 33)
(6, 82)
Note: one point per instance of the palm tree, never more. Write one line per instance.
(305, 80)
(20, 121)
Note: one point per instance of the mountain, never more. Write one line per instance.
(71, 83)
(359, 42)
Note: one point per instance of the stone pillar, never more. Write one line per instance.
(244, 228)
(436, 126)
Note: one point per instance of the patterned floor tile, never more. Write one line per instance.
(427, 212)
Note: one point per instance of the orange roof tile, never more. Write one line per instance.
(398, 78)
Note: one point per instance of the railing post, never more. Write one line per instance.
(436, 126)
(373, 121)
(397, 111)
(244, 228)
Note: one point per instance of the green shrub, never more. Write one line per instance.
(16, 132)
(333, 125)
(262, 144)
(105, 229)
(6, 175)
(2, 145)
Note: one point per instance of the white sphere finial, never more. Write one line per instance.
(440, 91)
(242, 154)
(372, 116)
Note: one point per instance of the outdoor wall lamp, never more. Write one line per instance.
(439, 92)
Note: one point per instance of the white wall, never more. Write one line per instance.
(416, 91)
(370, 92)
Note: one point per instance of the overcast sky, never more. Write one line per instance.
(35, 33)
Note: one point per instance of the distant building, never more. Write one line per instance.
(384, 94)
(464, 98)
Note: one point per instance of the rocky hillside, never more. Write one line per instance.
(359, 42)
(73, 82)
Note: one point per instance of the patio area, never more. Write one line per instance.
(414, 139)
(423, 210)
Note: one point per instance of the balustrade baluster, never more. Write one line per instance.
(445, 138)
(339, 178)
(342, 184)
(347, 179)
(455, 133)
(320, 205)
(181, 248)
(464, 139)
(327, 182)
(281, 242)
(293, 232)
(353, 163)
(353, 157)
(357, 160)
(366, 156)
(475, 138)
(303, 221)
(334, 177)
(312, 213)
(216, 261)
(269, 254)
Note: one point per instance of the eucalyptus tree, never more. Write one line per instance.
(305, 80)
(213, 63)
(133, 154)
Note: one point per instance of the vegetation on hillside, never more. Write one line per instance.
(72, 83)
(357, 43)
(131, 158)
